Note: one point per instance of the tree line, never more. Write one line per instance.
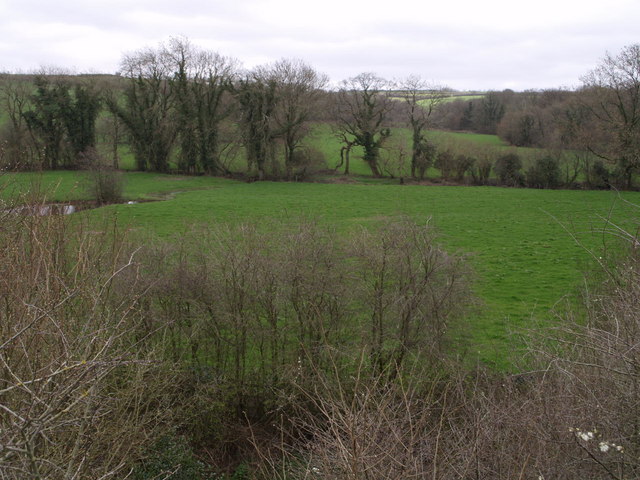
(598, 124)
(182, 108)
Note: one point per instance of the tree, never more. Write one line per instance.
(489, 113)
(46, 120)
(79, 116)
(147, 109)
(63, 119)
(299, 87)
(612, 95)
(520, 128)
(421, 99)
(361, 114)
(201, 81)
(15, 95)
(257, 98)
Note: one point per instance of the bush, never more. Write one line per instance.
(598, 176)
(480, 171)
(462, 164)
(171, 457)
(15, 150)
(105, 184)
(82, 391)
(306, 162)
(445, 163)
(544, 174)
(425, 154)
(508, 168)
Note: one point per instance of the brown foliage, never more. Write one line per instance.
(75, 393)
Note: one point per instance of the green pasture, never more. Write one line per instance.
(529, 248)
(520, 241)
(439, 136)
(457, 98)
(66, 185)
(425, 97)
(322, 138)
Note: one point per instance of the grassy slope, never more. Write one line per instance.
(67, 185)
(520, 240)
(525, 258)
(321, 137)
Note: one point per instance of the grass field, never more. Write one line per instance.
(520, 241)
(322, 138)
(462, 98)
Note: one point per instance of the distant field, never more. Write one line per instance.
(322, 138)
(519, 240)
(463, 98)
(451, 97)
(479, 138)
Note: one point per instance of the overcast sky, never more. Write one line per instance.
(467, 45)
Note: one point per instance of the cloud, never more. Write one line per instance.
(461, 44)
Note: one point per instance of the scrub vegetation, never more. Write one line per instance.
(271, 280)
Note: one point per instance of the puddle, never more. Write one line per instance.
(44, 210)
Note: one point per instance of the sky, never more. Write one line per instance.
(465, 45)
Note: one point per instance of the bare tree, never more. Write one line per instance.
(421, 98)
(361, 109)
(413, 291)
(299, 91)
(612, 95)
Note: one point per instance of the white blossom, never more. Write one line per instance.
(586, 436)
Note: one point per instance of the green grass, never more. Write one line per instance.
(322, 138)
(478, 138)
(455, 98)
(520, 241)
(66, 185)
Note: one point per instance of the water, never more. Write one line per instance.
(43, 210)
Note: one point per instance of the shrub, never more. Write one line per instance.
(508, 168)
(15, 150)
(171, 457)
(105, 184)
(598, 175)
(545, 173)
(424, 157)
(445, 163)
(81, 389)
(480, 171)
(462, 164)
(307, 161)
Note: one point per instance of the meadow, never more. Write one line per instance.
(204, 320)
(529, 248)
(322, 138)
